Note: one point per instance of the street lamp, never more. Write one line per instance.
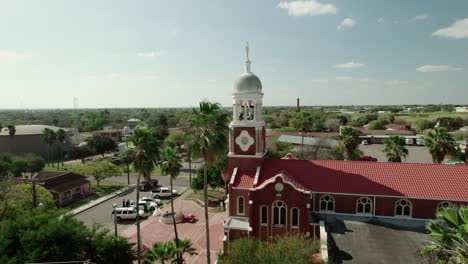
(114, 206)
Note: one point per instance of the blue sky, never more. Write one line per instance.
(176, 53)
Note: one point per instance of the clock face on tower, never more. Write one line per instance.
(244, 140)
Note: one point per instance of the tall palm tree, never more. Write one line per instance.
(349, 141)
(209, 127)
(49, 138)
(450, 234)
(440, 143)
(61, 135)
(141, 156)
(145, 139)
(395, 149)
(171, 165)
(128, 156)
(185, 246)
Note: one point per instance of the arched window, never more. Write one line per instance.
(295, 218)
(364, 206)
(240, 205)
(443, 205)
(263, 215)
(279, 213)
(327, 203)
(403, 207)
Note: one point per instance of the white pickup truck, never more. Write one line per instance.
(163, 192)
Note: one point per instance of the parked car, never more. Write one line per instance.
(368, 158)
(420, 142)
(409, 141)
(365, 142)
(147, 206)
(163, 192)
(148, 186)
(125, 213)
(149, 199)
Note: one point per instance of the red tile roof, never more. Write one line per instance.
(244, 178)
(432, 181)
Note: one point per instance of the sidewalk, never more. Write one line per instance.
(100, 200)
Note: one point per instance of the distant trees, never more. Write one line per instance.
(11, 130)
(395, 149)
(440, 143)
(214, 178)
(303, 122)
(17, 166)
(61, 136)
(101, 144)
(349, 142)
(49, 138)
(279, 149)
(82, 152)
(100, 170)
(148, 148)
(176, 138)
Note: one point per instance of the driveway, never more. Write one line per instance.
(153, 231)
(357, 242)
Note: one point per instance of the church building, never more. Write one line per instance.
(268, 197)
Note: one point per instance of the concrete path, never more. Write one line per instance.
(152, 230)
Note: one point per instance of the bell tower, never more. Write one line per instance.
(247, 129)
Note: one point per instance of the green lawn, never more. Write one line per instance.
(214, 196)
(69, 167)
(106, 188)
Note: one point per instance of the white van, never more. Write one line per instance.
(409, 141)
(163, 192)
(420, 142)
(124, 213)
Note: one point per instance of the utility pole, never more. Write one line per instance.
(190, 165)
(115, 218)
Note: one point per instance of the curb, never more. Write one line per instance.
(100, 200)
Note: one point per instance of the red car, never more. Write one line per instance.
(368, 158)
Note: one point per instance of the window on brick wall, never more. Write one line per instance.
(295, 217)
(444, 204)
(263, 215)
(240, 205)
(279, 213)
(364, 205)
(327, 203)
(403, 207)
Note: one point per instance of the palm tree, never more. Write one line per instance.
(349, 141)
(395, 149)
(12, 133)
(171, 165)
(185, 246)
(128, 156)
(145, 140)
(161, 252)
(450, 234)
(210, 134)
(141, 155)
(440, 143)
(61, 135)
(49, 138)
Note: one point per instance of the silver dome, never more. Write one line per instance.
(248, 83)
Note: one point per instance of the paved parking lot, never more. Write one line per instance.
(102, 213)
(417, 154)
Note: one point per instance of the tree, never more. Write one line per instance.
(161, 252)
(98, 169)
(171, 165)
(34, 163)
(128, 156)
(147, 143)
(333, 124)
(101, 144)
(82, 152)
(395, 149)
(440, 143)
(279, 149)
(176, 139)
(303, 122)
(61, 135)
(11, 130)
(424, 124)
(209, 127)
(105, 248)
(378, 124)
(18, 166)
(349, 142)
(450, 235)
(280, 249)
(49, 138)
(215, 178)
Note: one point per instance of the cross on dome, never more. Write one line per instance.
(247, 60)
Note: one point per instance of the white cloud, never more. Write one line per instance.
(438, 68)
(346, 23)
(349, 65)
(11, 54)
(457, 30)
(149, 54)
(380, 20)
(307, 8)
(421, 17)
